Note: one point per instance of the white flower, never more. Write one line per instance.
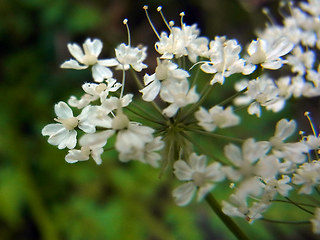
(63, 134)
(94, 91)
(301, 61)
(274, 186)
(316, 221)
(307, 175)
(294, 152)
(269, 55)
(179, 95)
(216, 117)
(238, 205)
(225, 60)
(129, 56)
(198, 176)
(244, 161)
(264, 92)
(131, 137)
(165, 71)
(92, 144)
(182, 41)
(147, 155)
(89, 57)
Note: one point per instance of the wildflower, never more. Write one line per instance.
(128, 56)
(244, 161)
(89, 57)
(166, 71)
(91, 144)
(178, 95)
(216, 117)
(225, 60)
(293, 152)
(63, 133)
(198, 176)
(307, 175)
(269, 55)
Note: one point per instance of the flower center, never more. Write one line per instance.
(89, 59)
(198, 178)
(121, 121)
(101, 87)
(68, 123)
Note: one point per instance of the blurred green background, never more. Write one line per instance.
(42, 196)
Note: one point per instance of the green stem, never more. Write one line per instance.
(297, 205)
(215, 135)
(301, 204)
(284, 222)
(232, 97)
(194, 107)
(228, 222)
(145, 116)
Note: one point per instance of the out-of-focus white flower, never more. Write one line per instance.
(300, 61)
(274, 186)
(129, 56)
(198, 176)
(178, 95)
(238, 205)
(165, 71)
(244, 161)
(307, 175)
(62, 133)
(89, 57)
(264, 92)
(294, 152)
(216, 117)
(148, 154)
(269, 55)
(133, 136)
(91, 144)
(315, 221)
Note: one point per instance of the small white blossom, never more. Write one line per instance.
(269, 55)
(147, 155)
(216, 117)
(63, 133)
(178, 95)
(91, 144)
(294, 152)
(307, 175)
(225, 60)
(89, 57)
(129, 56)
(244, 160)
(198, 176)
(166, 71)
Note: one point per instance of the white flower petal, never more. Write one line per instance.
(73, 64)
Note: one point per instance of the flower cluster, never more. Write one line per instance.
(260, 171)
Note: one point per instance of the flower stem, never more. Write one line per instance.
(228, 222)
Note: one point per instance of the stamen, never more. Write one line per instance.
(267, 13)
(171, 23)
(163, 18)
(125, 22)
(145, 7)
(123, 82)
(181, 20)
(311, 124)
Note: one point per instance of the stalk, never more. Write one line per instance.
(228, 222)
